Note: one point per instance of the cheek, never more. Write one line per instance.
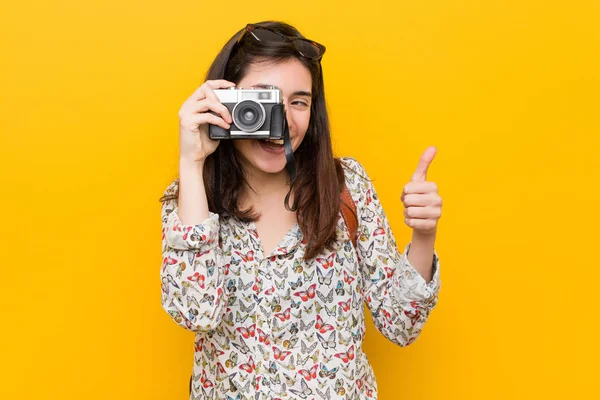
(299, 123)
(242, 146)
(237, 144)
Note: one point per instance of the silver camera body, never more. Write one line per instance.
(257, 113)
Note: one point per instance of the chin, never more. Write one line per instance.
(270, 162)
(270, 166)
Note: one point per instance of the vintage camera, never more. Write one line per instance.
(257, 113)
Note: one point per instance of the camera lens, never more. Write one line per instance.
(248, 115)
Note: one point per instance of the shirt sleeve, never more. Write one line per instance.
(192, 272)
(398, 297)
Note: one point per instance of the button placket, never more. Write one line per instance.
(270, 294)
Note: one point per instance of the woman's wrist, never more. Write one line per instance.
(190, 165)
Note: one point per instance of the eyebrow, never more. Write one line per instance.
(296, 93)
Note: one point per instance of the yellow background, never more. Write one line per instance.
(507, 90)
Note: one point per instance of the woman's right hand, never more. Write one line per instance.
(194, 116)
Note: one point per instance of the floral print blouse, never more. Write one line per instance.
(278, 326)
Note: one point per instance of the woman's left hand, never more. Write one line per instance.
(422, 204)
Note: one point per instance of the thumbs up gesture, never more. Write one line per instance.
(422, 204)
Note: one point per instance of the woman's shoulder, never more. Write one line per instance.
(354, 171)
(350, 165)
(173, 187)
(171, 192)
(357, 180)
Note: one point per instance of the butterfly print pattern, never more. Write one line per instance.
(278, 326)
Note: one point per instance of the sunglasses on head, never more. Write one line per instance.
(306, 48)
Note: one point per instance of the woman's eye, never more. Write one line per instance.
(300, 103)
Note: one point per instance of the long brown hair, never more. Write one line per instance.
(319, 176)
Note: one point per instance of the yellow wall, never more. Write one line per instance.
(507, 91)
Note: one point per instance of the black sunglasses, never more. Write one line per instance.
(306, 48)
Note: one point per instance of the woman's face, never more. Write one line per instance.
(295, 82)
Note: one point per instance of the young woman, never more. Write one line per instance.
(264, 268)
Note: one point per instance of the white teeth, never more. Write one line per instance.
(279, 141)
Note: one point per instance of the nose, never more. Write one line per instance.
(288, 115)
(290, 122)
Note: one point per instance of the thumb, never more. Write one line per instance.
(426, 159)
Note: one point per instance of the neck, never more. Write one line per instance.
(262, 186)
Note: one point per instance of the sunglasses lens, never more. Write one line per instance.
(307, 49)
(265, 35)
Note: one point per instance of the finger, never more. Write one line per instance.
(426, 159)
(214, 106)
(422, 200)
(208, 118)
(210, 94)
(219, 84)
(425, 225)
(200, 93)
(420, 187)
(422, 212)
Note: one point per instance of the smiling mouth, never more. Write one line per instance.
(275, 141)
(271, 145)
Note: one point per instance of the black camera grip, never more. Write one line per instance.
(277, 122)
(215, 132)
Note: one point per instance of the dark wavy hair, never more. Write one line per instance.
(319, 179)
